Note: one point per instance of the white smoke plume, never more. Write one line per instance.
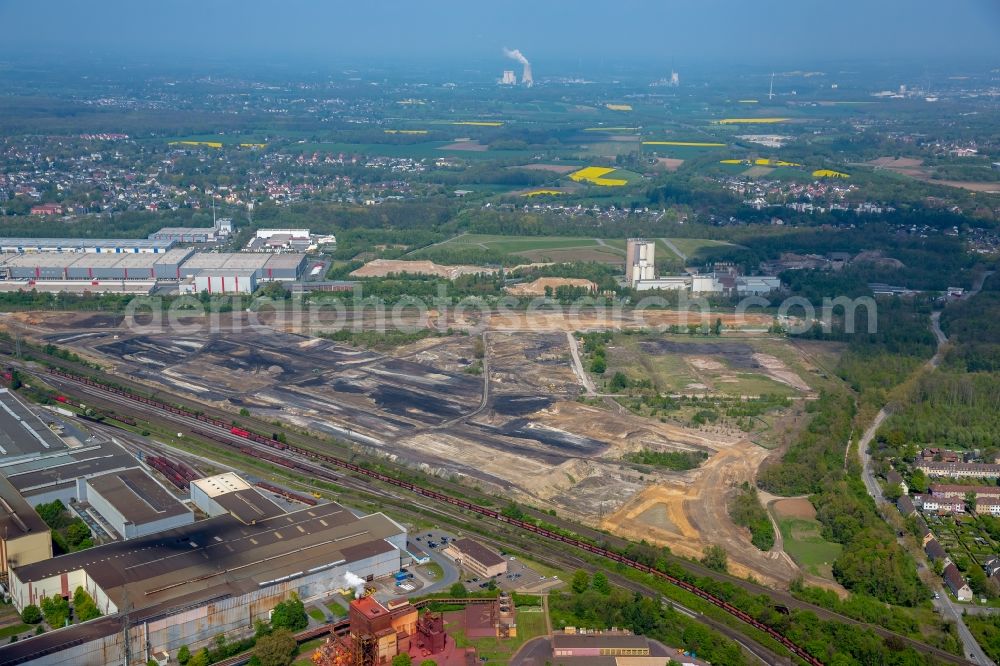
(355, 582)
(515, 55)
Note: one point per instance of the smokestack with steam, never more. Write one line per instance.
(515, 54)
(356, 583)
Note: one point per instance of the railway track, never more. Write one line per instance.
(224, 431)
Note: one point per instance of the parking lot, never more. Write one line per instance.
(519, 577)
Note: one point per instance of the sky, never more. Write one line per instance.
(772, 32)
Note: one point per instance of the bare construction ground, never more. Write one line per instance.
(528, 436)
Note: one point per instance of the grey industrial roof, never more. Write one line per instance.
(478, 552)
(224, 260)
(85, 242)
(217, 556)
(45, 473)
(248, 506)
(136, 496)
(214, 261)
(22, 433)
(95, 260)
(284, 260)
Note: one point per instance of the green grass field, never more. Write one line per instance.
(419, 150)
(539, 248)
(803, 541)
(697, 371)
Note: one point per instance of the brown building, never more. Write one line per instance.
(605, 644)
(477, 558)
(24, 536)
(379, 633)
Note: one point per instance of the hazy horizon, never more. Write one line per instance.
(779, 33)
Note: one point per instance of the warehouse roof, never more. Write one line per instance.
(248, 506)
(136, 496)
(22, 433)
(284, 260)
(93, 260)
(44, 473)
(71, 243)
(478, 552)
(218, 556)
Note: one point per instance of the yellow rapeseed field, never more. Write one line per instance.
(827, 173)
(479, 123)
(399, 131)
(595, 176)
(538, 193)
(210, 144)
(762, 161)
(704, 144)
(766, 162)
(253, 145)
(619, 107)
(751, 121)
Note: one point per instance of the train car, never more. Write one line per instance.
(239, 431)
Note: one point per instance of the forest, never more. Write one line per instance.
(872, 563)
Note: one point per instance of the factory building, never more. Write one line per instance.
(187, 585)
(94, 267)
(640, 261)
(222, 272)
(85, 245)
(24, 536)
(477, 558)
(134, 504)
(222, 228)
(268, 240)
(229, 494)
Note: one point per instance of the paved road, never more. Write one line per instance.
(944, 605)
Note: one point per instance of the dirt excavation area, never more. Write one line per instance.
(689, 513)
(503, 410)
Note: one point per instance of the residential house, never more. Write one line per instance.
(959, 470)
(936, 552)
(895, 479)
(988, 506)
(956, 583)
(960, 491)
(905, 506)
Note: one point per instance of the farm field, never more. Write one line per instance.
(692, 246)
(556, 248)
(421, 150)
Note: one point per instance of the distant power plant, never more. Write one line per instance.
(673, 82)
(526, 78)
(509, 78)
